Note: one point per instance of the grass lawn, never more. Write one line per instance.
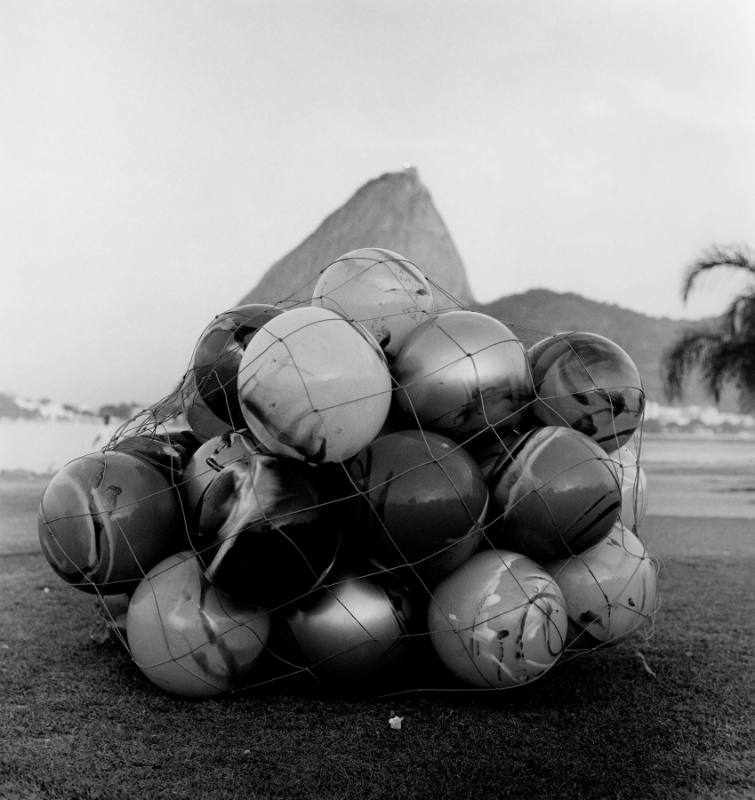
(80, 721)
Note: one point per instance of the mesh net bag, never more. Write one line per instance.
(375, 491)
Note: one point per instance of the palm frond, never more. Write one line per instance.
(738, 320)
(720, 365)
(716, 256)
(691, 350)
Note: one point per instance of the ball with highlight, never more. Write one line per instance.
(217, 356)
(553, 492)
(460, 373)
(106, 518)
(314, 386)
(383, 290)
(188, 638)
(207, 461)
(352, 633)
(499, 621)
(587, 382)
(610, 589)
(422, 502)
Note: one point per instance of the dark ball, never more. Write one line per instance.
(422, 502)
(554, 493)
(217, 355)
(261, 536)
(167, 452)
(106, 519)
(352, 634)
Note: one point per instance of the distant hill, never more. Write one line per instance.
(396, 211)
(539, 312)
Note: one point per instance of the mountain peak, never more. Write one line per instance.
(394, 211)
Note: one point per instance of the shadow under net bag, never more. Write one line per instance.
(374, 491)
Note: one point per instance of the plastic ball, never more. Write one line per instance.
(554, 493)
(384, 291)
(498, 621)
(353, 633)
(587, 382)
(206, 462)
(314, 386)
(261, 535)
(610, 589)
(105, 519)
(202, 421)
(423, 501)
(462, 372)
(217, 356)
(633, 482)
(188, 638)
(168, 452)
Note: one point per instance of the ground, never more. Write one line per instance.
(668, 716)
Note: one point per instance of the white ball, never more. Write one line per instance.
(314, 386)
(384, 291)
(633, 484)
(498, 621)
(610, 588)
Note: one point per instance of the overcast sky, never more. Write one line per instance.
(157, 156)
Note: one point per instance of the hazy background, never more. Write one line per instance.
(157, 156)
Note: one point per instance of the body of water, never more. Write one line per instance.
(45, 446)
(711, 450)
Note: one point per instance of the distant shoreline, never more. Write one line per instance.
(696, 450)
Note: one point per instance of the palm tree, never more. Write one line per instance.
(723, 352)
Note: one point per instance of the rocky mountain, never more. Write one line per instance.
(394, 211)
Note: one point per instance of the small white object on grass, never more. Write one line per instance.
(395, 722)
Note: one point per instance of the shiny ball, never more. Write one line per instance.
(105, 519)
(188, 638)
(422, 502)
(351, 634)
(205, 464)
(314, 386)
(200, 418)
(610, 589)
(498, 621)
(460, 373)
(168, 452)
(554, 492)
(587, 382)
(261, 534)
(217, 356)
(384, 291)
(633, 482)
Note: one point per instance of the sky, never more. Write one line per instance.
(158, 156)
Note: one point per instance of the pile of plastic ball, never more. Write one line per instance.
(366, 490)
